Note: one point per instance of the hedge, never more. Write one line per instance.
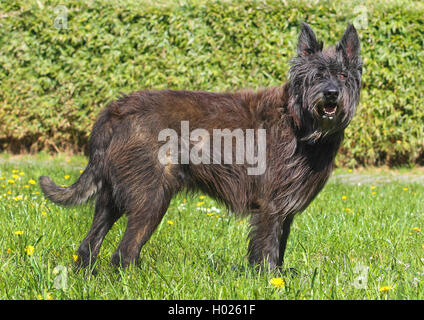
(55, 80)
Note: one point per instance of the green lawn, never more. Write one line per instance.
(363, 228)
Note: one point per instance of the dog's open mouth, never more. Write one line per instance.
(328, 111)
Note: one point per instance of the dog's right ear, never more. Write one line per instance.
(308, 44)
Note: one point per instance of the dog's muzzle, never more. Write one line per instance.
(328, 106)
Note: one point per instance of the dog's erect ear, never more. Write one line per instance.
(349, 44)
(307, 44)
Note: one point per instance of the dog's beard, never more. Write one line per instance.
(318, 120)
(328, 117)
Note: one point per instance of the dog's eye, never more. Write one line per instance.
(317, 76)
(342, 76)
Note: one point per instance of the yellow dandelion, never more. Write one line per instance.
(15, 171)
(344, 197)
(200, 203)
(373, 187)
(19, 232)
(31, 181)
(405, 189)
(75, 257)
(202, 197)
(21, 173)
(2, 178)
(26, 186)
(277, 283)
(350, 170)
(209, 214)
(373, 193)
(43, 213)
(11, 181)
(416, 229)
(15, 176)
(9, 250)
(48, 296)
(170, 222)
(29, 250)
(386, 289)
(67, 176)
(18, 198)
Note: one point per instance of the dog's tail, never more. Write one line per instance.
(90, 181)
(78, 193)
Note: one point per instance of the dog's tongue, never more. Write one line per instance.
(329, 109)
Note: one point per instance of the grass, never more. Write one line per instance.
(199, 251)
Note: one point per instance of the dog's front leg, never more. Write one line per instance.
(285, 232)
(268, 239)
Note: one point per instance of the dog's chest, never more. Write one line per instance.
(293, 183)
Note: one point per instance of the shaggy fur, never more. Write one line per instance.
(304, 120)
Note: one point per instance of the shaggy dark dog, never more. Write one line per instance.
(304, 121)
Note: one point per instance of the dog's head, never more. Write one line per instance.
(325, 84)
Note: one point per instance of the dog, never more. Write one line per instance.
(301, 123)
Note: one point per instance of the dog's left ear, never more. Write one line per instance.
(349, 44)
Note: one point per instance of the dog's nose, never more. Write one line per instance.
(331, 93)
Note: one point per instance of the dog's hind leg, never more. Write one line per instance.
(106, 213)
(143, 219)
